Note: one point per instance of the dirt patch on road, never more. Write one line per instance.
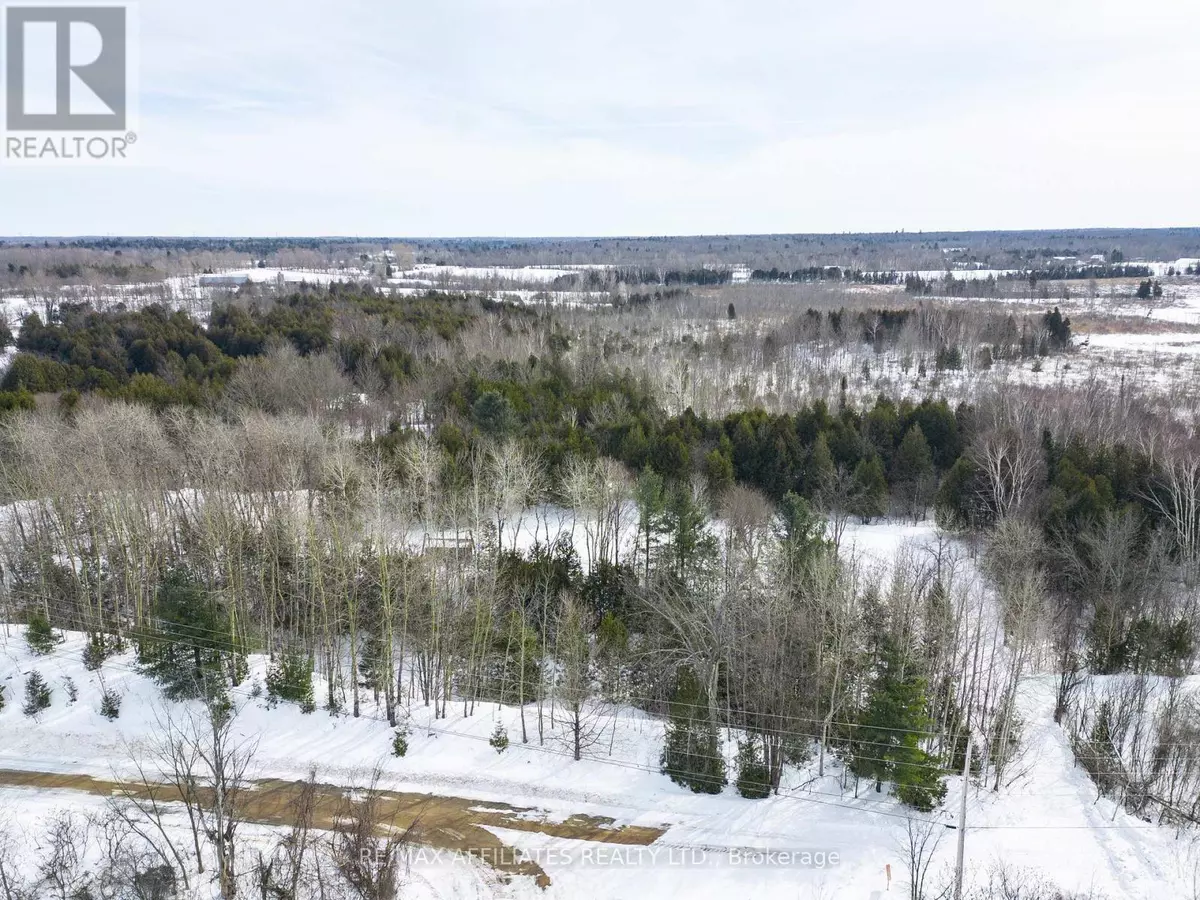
(449, 823)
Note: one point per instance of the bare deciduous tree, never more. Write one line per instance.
(63, 850)
(368, 847)
(920, 843)
(13, 885)
(291, 861)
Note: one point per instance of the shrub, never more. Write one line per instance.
(155, 883)
(40, 634)
(99, 648)
(753, 781)
(93, 653)
(37, 694)
(925, 792)
(692, 752)
(110, 704)
(499, 738)
(400, 742)
(290, 678)
(72, 688)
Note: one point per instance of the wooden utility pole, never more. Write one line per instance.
(962, 820)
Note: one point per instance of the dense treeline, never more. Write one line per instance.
(163, 357)
(605, 279)
(892, 250)
(937, 329)
(952, 283)
(890, 458)
(809, 274)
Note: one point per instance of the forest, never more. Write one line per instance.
(174, 465)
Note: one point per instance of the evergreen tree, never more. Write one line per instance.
(718, 472)
(886, 743)
(110, 704)
(499, 738)
(40, 634)
(913, 458)
(949, 359)
(189, 650)
(37, 694)
(650, 495)
(610, 589)
(289, 678)
(612, 637)
(689, 545)
(518, 651)
(400, 742)
(612, 651)
(1058, 327)
(99, 648)
(870, 490)
(692, 755)
(821, 473)
(493, 414)
(754, 779)
(800, 532)
(912, 470)
(371, 668)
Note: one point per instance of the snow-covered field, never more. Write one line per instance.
(815, 839)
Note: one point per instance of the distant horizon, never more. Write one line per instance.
(1082, 230)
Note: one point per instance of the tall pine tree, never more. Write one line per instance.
(870, 490)
(912, 472)
(887, 741)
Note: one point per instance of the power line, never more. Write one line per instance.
(797, 734)
(222, 640)
(232, 647)
(625, 764)
(789, 795)
(63, 655)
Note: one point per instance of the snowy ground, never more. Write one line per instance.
(427, 876)
(832, 843)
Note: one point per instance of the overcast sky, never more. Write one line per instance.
(579, 117)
